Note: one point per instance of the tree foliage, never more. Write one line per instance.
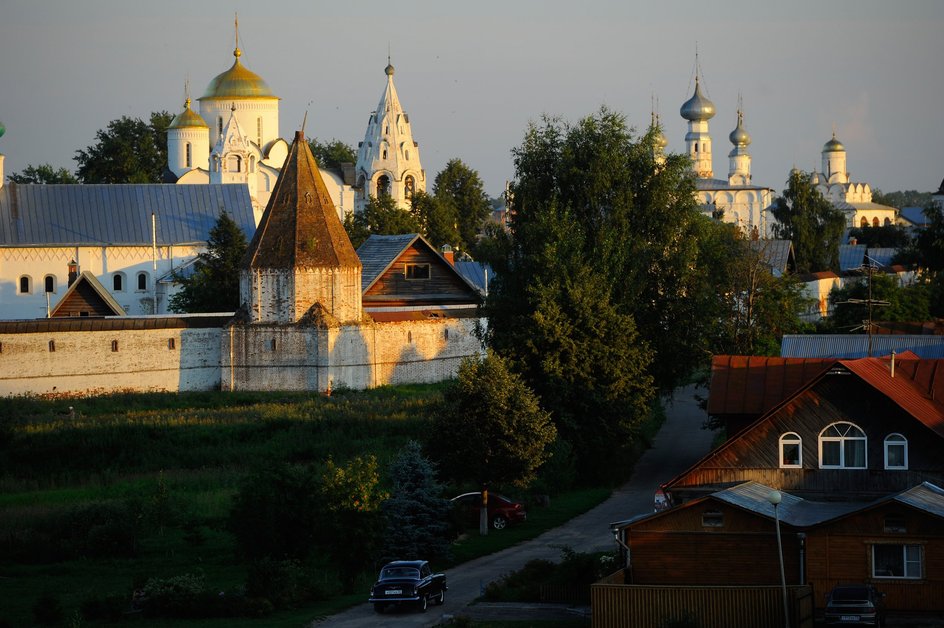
(906, 303)
(415, 514)
(332, 153)
(43, 173)
(381, 216)
(129, 150)
(437, 218)
(459, 188)
(887, 236)
(491, 429)
(214, 284)
(810, 221)
(899, 199)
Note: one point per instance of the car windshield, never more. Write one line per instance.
(857, 594)
(390, 573)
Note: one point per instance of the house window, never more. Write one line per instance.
(842, 446)
(52, 346)
(416, 271)
(189, 155)
(118, 282)
(897, 561)
(114, 345)
(896, 452)
(895, 524)
(50, 283)
(25, 287)
(712, 519)
(791, 450)
(171, 344)
(142, 281)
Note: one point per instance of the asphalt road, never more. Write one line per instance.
(679, 443)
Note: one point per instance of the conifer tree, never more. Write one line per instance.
(214, 284)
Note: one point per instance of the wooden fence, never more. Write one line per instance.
(619, 605)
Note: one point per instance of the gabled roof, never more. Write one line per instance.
(300, 227)
(857, 345)
(120, 215)
(755, 384)
(379, 252)
(802, 513)
(98, 290)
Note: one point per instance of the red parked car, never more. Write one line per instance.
(501, 510)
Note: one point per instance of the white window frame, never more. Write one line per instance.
(841, 440)
(918, 563)
(896, 440)
(791, 438)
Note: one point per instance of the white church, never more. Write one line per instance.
(234, 138)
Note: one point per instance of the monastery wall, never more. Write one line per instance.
(109, 361)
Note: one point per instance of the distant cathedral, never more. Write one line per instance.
(235, 139)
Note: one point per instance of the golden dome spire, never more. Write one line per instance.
(237, 52)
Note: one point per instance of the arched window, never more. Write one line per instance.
(118, 282)
(50, 282)
(864, 222)
(26, 284)
(408, 187)
(896, 452)
(842, 446)
(791, 450)
(875, 222)
(234, 164)
(385, 153)
(142, 281)
(189, 155)
(696, 147)
(888, 222)
(383, 185)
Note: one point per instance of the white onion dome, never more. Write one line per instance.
(833, 146)
(739, 137)
(698, 107)
(187, 118)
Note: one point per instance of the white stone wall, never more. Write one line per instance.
(271, 357)
(86, 363)
(248, 113)
(745, 207)
(102, 261)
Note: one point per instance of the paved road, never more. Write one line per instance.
(679, 443)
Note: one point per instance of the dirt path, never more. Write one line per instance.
(679, 443)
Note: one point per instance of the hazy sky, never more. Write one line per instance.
(472, 74)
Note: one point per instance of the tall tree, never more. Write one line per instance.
(905, 303)
(907, 198)
(415, 514)
(890, 236)
(332, 153)
(461, 186)
(490, 428)
(810, 222)
(381, 216)
(43, 173)
(214, 284)
(129, 150)
(437, 218)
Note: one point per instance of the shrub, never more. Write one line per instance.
(47, 610)
(177, 596)
(283, 582)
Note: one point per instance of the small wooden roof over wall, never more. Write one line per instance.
(86, 297)
(405, 270)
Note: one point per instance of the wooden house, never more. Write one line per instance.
(405, 273)
(728, 537)
(859, 429)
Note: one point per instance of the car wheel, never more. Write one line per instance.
(442, 598)
(378, 608)
(424, 603)
(499, 522)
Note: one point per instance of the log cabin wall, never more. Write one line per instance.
(84, 301)
(755, 455)
(443, 286)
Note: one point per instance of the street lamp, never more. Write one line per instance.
(775, 498)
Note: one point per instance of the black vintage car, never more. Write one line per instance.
(408, 582)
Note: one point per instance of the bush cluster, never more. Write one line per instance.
(575, 569)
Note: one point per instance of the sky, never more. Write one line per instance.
(472, 75)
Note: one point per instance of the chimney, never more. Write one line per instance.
(73, 272)
(448, 254)
(853, 241)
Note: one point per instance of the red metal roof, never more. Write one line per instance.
(755, 384)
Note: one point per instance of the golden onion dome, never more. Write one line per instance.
(237, 82)
(833, 146)
(187, 118)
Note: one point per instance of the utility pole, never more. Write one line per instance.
(870, 266)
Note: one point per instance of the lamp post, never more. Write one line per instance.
(775, 498)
